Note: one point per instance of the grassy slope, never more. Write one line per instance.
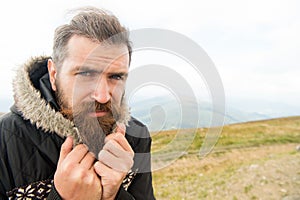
(240, 144)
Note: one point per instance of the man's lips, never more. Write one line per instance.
(98, 113)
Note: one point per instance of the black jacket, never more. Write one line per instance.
(31, 136)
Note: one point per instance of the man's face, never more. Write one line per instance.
(92, 72)
(91, 82)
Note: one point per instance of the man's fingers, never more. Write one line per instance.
(66, 148)
(102, 170)
(115, 148)
(121, 128)
(122, 164)
(111, 180)
(105, 171)
(88, 160)
(78, 153)
(120, 139)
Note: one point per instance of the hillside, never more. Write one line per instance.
(256, 160)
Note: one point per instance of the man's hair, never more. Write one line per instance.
(92, 23)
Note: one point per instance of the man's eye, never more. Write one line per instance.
(116, 77)
(86, 73)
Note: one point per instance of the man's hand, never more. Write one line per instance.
(75, 177)
(115, 161)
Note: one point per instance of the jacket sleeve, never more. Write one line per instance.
(140, 189)
(124, 195)
(5, 172)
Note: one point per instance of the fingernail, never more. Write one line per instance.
(86, 146)
(69, 138)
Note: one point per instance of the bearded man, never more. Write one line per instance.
(69, 134)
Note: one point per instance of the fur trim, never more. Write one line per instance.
(29, 102)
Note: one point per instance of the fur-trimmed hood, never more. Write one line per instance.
(30, 100)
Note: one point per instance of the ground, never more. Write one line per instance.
(264, 172)
(253, 160)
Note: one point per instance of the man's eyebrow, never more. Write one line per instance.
(93, 69)
(87, 68)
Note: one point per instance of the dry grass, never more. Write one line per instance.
(240, 146)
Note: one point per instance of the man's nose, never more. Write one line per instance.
(101, 93)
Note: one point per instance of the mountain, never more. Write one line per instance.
(165, 113)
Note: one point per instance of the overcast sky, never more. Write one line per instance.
(254, 44)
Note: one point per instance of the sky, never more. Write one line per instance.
(254, 44)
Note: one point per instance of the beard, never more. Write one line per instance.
(93, 130)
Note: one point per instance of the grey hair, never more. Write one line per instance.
(92, 23)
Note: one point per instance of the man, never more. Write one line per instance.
(69, 134)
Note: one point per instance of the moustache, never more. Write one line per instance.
(87, 107)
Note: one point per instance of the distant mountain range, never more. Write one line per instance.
(164, 113)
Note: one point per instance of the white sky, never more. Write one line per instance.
(254, 44)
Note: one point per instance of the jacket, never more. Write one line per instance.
(32, 133)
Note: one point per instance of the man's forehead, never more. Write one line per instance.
(109, 51)
(85, 52)
(106, 58)
(79, 45)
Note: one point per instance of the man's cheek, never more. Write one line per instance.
(117, 96)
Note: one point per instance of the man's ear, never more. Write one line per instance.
(52, 73)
